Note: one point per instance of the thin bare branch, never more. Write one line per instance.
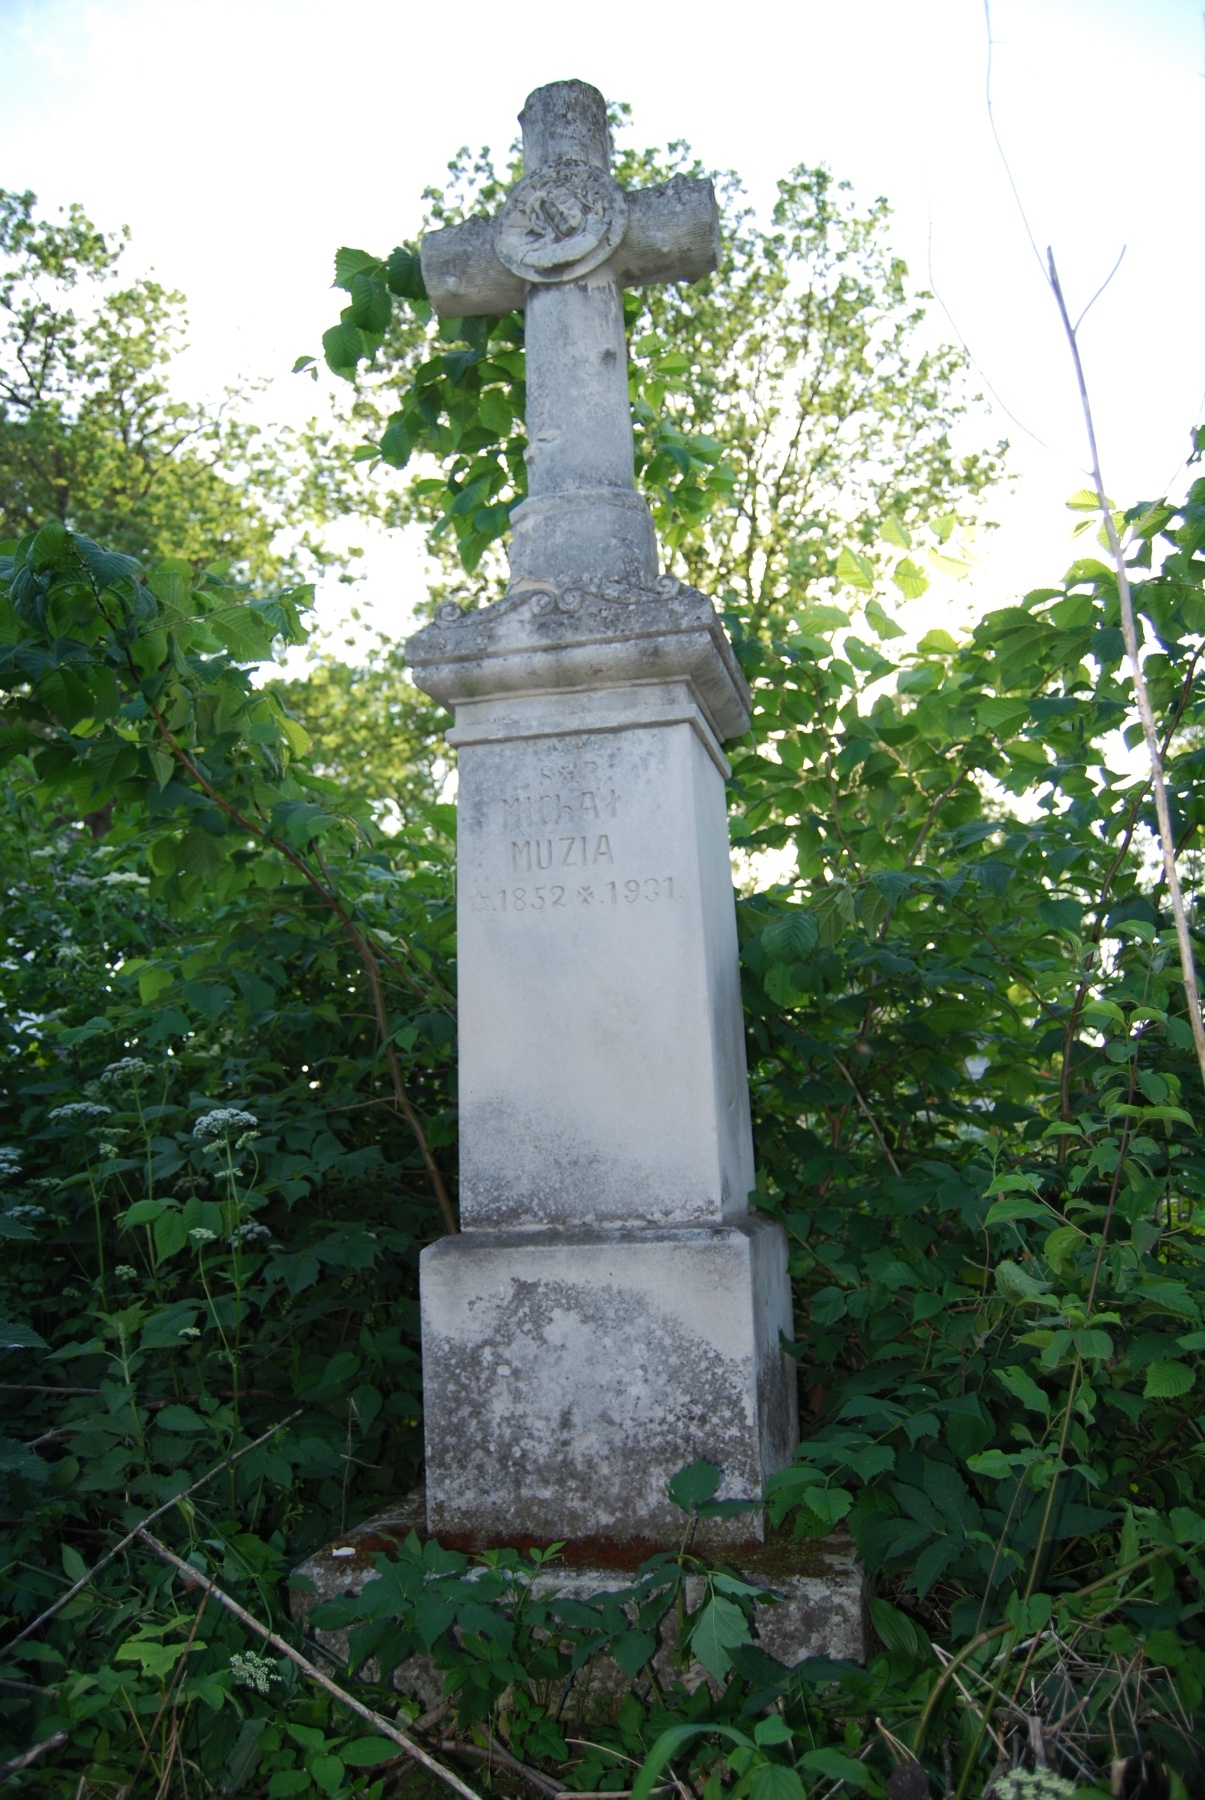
(874, 1124)
(386, 1727)
(1129, 630)
(32, 1754)
(1100, 290)
(110, 1555)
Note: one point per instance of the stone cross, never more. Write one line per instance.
(610, 1309)
(566, 243)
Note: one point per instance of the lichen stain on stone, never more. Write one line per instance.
(661, 1401)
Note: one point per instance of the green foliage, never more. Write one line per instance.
(211, 1204)
(777, 405)
(373, 733)
(91, 435)
(227, 1063)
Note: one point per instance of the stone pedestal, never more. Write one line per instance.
(818, 1607)
(567, 1375)
(610, 1311)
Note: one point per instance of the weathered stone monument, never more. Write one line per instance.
(610, 1310)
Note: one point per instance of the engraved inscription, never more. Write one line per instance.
(528, 854)
(604, 894)
(559, 809)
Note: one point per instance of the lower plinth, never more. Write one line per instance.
(568, 1375)
(818, 1608)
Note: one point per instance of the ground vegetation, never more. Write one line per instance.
(227, 1080)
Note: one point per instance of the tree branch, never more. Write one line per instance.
(386, 1727)
(1129, 629)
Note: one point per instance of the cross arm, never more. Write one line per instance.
(463, 275)
(672, 234)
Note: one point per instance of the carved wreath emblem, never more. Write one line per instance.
(561, 221)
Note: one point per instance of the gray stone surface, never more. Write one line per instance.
(573, 637)
(569, 1375)
(566, 243)
(609, 1311)
(819, 1609)
(602, 1057)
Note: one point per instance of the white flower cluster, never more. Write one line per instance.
(10, 1162)
(1032, 1784)
(201, 1234)
(25, 1212)
(126, 1272)
(224, 1124)
(79, 1112)
(251, 1232)
(253, 1671)
(125, 1069)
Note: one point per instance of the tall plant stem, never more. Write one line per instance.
(1129, 629)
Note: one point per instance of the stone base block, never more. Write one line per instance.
(568, 1375)
(819, 1610)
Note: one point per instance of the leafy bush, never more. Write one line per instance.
(228, 1095)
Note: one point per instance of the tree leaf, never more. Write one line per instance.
(1167, 1380)
(350, 263)
(698, 1481)
(855, 570)
(775, 1781)
(719, 1625)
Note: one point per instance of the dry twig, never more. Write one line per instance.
(129, 1538)
(32, 1754)
(1129, 631)
(386, 1727)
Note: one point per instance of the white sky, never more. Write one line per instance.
(243, 140)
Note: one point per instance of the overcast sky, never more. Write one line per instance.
(243, 140)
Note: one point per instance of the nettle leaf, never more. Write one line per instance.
(1168, 1380)
(15, 1336)
(791, 935)
(181, 1419)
